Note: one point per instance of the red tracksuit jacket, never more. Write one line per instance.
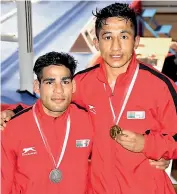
(115, 170)
(27, 172)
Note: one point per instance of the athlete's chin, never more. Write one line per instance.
(116, 65)
(58, 108)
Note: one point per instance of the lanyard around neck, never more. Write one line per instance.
(44, 139)
(125, 99)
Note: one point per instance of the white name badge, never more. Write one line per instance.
(82, 143)
(135, 114)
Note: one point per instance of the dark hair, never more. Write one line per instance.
(121, 10)
(54, 58)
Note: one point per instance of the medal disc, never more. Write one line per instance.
(55, 176)
(114, 131)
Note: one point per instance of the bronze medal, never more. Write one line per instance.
(114, 131)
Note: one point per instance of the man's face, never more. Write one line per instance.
(55, 89)
(116, 42)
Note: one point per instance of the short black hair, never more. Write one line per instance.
(121, 10)
(54, 58)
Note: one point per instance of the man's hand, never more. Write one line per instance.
(131, 141)
(135, 142)
(160, 164)
(6, 115)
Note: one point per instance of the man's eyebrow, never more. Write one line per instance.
(48, 79)
(65, 78)
(121, 32)
(106, 32)
(125, 31)
(53, 79)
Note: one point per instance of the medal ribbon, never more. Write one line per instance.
(44, 139)
(126, 97)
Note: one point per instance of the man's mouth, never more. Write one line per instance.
(58, 100)
(116, 56)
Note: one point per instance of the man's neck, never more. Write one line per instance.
(52, 113)
(113, 73)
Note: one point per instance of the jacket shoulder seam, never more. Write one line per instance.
(87, 70)
(164, 79)
(21, 112)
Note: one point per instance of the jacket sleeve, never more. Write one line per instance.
(162, 142)
(8, 159)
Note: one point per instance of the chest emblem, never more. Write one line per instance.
(135, 114)
(82, 143)
(29, 151)
(92, 109)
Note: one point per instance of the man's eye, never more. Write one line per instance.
(49, 82)
(66, 82)
(108, 37)
(124, 37)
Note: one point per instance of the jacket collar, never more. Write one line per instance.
(40, 112)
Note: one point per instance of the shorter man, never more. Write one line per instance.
(45, 150)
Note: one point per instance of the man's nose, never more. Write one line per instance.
(58, 88)
(116, 44)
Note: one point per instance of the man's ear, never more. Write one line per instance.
(96, 44)
(137, 41)
(36, 86)
(74, 86)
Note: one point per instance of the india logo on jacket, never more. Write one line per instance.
(82, 143)
(135, 114)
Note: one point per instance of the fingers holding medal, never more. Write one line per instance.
(114, 131)
(129, 140)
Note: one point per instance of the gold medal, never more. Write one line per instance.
(114, 131)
